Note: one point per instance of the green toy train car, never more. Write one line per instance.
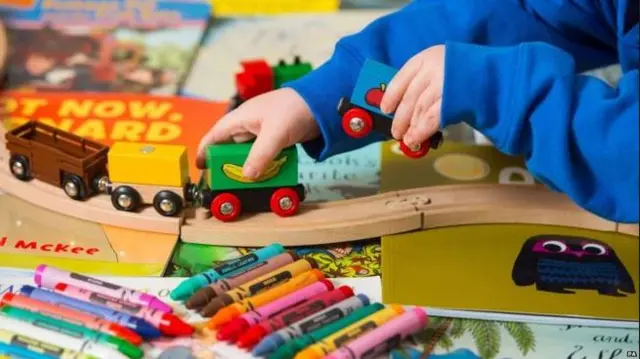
(227, 193)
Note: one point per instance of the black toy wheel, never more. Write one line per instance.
(167, 203)
(20, 167)
(125, 198)
(74, 187)
(99, 183)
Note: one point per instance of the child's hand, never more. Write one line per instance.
(414, 94)
(276, 120)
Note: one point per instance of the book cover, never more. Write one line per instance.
(113, 46)
(30, 236)
(112, 117)
(454, 162)
(502, 270)
(460, 338)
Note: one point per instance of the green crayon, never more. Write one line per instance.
(73, 330)
(291, 348)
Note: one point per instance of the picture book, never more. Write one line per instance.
(107, 46)
(502, 271)
(454, 162)
(112, 117)
(232, 40)
(30, 235)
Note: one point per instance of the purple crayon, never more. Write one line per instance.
(383, 338)
(48, 277)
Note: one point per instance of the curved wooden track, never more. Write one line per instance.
(338, 221)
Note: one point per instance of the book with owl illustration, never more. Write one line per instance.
(565, 275)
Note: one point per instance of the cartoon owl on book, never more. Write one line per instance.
(556, 263)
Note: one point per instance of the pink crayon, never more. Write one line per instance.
(383, 338)
(233, 329)
(49, 277)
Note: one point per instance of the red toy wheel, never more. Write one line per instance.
(226, 207)
(415, 153)
(357, 123)
(284, 202)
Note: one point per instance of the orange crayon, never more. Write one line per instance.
(236, 309)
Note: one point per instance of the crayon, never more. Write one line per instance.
(234, 328)
(310, 324)
(206, 294)
(87, 347)
(167, 323)
(291, 348)
(46, 350)
(334, 341)
(227, 268)
(234, 310)
(48, 277)
(71, 316)
(319, 302)
(142, 327)
(383, 338)
(39, 320)
(9, 351)
(258, 285)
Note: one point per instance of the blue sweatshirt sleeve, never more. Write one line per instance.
(395, 38)
(577, 134)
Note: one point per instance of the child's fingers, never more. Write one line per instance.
(402, 118)
(425, 127)
(269, 142)
(424, 104)
(398, 85)
(220, 132)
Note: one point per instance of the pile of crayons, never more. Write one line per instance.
(69, 315)
(280, 306)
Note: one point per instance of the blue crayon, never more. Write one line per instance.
(20, 352)
(142, 327)
(225, 269)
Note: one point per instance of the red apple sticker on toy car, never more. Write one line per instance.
(373, 97)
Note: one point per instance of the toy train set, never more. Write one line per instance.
(131, 175)
(137, 174)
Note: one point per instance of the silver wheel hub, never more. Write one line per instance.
(226, 208)
(124, 200)
(166, 205)
(285, 203)
(71, 188)
(103, 182)
(356, 124)
(18, 168)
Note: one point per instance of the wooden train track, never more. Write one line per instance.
(332, 222)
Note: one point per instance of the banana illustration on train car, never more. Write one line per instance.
(136, 175)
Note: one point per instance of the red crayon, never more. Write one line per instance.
(69, 315)
(287, 317)
(167, 323)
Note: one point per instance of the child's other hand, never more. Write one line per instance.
(276, 120)
(414, 94)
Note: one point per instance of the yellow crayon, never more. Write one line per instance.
(340, 338)
(234, 310)
(40, 347)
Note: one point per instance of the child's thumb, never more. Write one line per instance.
(266, 147)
